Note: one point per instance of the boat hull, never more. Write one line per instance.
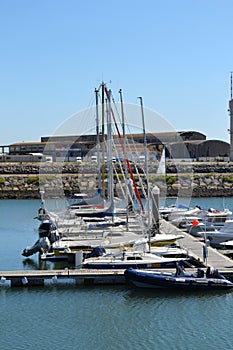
(156, 280)
(128, 265)
(216, 238)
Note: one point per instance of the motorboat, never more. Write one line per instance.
(227, 244)
(200, 280)
(197, 228)
(177, 216)
(48, 234)
(216, 237)
(213, 220)
(173, 211)
(184, 223)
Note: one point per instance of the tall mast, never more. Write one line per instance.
(124, 153)
(103, 141)
(146, 166)
(109, 148)
(98, 140)
(127, 160)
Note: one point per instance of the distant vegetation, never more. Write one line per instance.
(33, 180)
(2, 181)
(36, 180)
(227, 178)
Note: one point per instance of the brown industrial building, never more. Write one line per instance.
(183, 145)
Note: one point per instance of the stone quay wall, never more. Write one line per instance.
(24, 180)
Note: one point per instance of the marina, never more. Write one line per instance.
(104, 309)
(110, 134)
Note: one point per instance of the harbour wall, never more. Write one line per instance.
(24, 181)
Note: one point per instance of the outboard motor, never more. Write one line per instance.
(47, 236)
(42, 245)
(42, 214)
(49, 229)
(45, 227)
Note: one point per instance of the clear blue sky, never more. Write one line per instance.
(177, 54)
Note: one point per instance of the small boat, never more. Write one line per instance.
(48, 234)
(217, 237)
(180, 280)
(213, 220)
(132, 259)
(83, 199)
(94, 210)
(172, 211)
(163, 239)
(109, 240)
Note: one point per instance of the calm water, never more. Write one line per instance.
(65, 316)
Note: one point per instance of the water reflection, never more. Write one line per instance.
(31, 264)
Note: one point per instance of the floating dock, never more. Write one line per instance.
(214, 257)
(77, 276)
(113, 276)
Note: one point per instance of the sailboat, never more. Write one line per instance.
(101, 207)
(83, 239)
(126, 259)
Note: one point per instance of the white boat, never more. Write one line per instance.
(227, 244)
(217, 217)
(178, 214)
(199, 229)
(163, 239)
(131, 259)
(213, 220)
(171, 252)
(173, 211)
(216, 237)
(110, 240)
(114, 240)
